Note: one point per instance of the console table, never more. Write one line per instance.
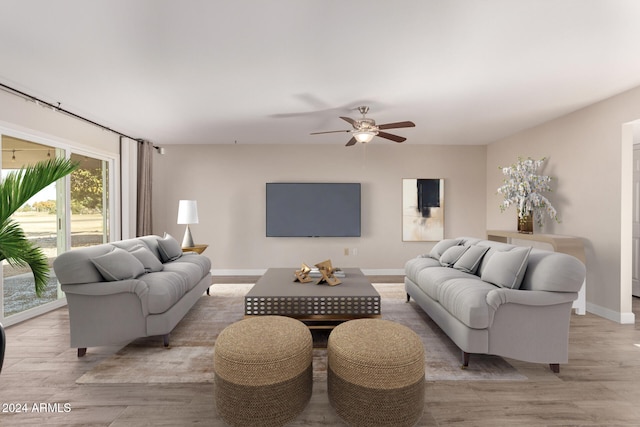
(570, 245)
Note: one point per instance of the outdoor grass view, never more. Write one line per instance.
(43, 225)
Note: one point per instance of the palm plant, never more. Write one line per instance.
(15, 190)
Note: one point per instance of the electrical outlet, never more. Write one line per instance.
(346, 251)
(354, 251)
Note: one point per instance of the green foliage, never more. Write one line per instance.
(86, 187)
(16, 188)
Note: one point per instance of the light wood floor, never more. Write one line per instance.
(600, 385)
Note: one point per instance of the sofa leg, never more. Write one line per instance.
(465, 360)
(165, 340)
(408, 298)
(82, 351)
(555, 367)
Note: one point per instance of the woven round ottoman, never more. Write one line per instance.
(263, 371)
(376, 373)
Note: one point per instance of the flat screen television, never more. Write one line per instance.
(313, 209)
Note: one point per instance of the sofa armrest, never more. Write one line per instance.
(133, 286)
(497, 297)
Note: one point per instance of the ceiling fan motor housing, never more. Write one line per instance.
(365, 125)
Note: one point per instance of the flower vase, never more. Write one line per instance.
(525, 224)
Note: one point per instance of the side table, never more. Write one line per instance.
(195, 248)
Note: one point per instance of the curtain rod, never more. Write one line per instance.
(62, 110)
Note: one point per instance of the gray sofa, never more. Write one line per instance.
(120, 291)
(495, 298)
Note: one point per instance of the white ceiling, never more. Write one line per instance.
(217, 72)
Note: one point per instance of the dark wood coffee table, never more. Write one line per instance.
(318, 306)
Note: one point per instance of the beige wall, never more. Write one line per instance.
(586, 158)
(228, 181)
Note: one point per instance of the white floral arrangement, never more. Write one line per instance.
(523, 188)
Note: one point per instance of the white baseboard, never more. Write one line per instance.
(235, 272)
(260, 272)
(622, 318)
(383, 271)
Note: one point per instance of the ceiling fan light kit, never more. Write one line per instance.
(364, 136)
(365, 129)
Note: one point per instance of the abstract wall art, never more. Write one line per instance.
(422, 209)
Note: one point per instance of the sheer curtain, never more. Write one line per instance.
(145, 169)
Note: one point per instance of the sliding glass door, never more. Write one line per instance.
(40, 219)
(59, 218)
(89, 201)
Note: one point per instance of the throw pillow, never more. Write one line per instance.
(169, 248)
(118, 265)
(451, 255)
(148, 259)
(470, 260)
(441, 246)
(506, 269)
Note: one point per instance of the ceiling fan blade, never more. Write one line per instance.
(349, 120)
(397, 125)
(329, 131)
(392, 137)
(352, 141)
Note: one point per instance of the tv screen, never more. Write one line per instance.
(313, 209)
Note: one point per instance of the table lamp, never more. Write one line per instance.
(187, 214)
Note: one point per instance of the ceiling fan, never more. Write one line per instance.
(365, 129)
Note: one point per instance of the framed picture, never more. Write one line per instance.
(422, 209)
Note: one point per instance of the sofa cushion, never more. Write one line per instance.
(165, 289)
(203, 263)
(149, 261)
(470, 260)
(451, 255)
(169, 248)
(118, 265)
(506, 269)
(466, 300)
(441, 246)
(192, 273)
(416, 265)
(430, 279)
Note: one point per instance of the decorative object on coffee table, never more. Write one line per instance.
(375, 371)
(523, 188)
(302, 275)
(263, 371)
(327, 274)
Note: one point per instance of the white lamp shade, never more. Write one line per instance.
(364, 136)
(188, 212)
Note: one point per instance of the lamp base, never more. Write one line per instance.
(187, 241)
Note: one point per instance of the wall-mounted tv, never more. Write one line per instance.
(306, 209)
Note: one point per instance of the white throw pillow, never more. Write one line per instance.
(169, 248)
(147, 258)
(118, 265)
(442, 246)
(470, 260)
(506, 269)
(451, 255)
